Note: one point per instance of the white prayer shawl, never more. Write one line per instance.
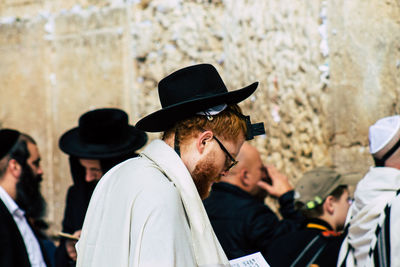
(373, 193)
(147, 212)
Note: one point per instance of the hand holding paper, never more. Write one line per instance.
(71, 242)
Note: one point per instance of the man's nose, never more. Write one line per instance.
(39, 171)
(89, 177)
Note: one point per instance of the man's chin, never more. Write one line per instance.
(201, 178)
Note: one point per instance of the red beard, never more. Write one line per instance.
(204, 174)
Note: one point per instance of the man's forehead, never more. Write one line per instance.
(89, 162)
(33, 151)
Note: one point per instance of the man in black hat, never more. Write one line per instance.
(21, 202)
(148, 210)
(102, 140)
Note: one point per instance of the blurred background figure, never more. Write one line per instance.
(241, 221)
(22, 205)
(323, 198)
(102, 140)
(372, 238)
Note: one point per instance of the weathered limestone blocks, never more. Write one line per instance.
(167, 36)
(279, 44)
(32, 8)
(24, 102)
(365, 73)
(87, 71)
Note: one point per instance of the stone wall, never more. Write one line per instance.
(327, 70)
(364, 39)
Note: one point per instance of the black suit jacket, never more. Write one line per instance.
(245, 225)
(12, 247)
(77, 202)
(74, 215)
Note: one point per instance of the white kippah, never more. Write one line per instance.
(212, 111)
(382, 132)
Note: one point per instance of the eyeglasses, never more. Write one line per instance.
(230, 157)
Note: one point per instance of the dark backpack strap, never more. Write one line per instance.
(311, 252)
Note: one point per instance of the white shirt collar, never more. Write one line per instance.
(10, 203)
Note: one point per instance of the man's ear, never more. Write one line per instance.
(328, 205)
(14, 168)
(244, 177)
(203, 139)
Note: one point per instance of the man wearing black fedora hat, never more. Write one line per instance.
(102, 140)
(21, 202)
(148, 210)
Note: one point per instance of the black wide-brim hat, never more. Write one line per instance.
(188, 91)
(102, 134)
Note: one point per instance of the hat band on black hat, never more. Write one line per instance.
(213, 110)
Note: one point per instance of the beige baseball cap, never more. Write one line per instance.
(319, 183)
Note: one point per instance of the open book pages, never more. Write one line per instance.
(252, 260)
(68, 236)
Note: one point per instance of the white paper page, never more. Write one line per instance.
(252, 260)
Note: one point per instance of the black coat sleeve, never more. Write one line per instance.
(286, 208)
(73, 220)
(264, 226)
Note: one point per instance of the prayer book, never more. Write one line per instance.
(252, 260)
(68, 236)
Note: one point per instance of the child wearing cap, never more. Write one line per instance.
(323, 197)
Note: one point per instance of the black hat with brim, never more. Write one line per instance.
(188, 91)
(102, 134)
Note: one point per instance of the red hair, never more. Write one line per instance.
(225, 124)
